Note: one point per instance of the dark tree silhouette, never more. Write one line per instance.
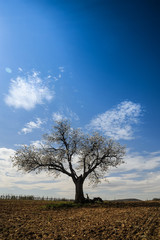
(73, 153)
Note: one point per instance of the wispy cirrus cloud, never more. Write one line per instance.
(67, 113)
(72, 115)
(37, 143)
(57, 116)
(61, 69)
(118, 122)
(27, 91)
(31, 125)
(20, 69)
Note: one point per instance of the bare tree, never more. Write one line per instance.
(73, 153)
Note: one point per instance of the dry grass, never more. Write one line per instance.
(31, 220)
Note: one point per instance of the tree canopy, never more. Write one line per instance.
(70, 151)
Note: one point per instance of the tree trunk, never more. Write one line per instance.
(79, 197)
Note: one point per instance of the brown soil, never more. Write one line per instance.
(28, 220)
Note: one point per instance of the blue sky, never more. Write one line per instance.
(95, 63)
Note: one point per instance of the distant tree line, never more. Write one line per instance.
(31, 197)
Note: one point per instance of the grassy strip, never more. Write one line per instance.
(106, 204)
(59, 205)
(62, 205)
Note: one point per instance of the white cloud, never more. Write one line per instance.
(31, 125)
(138, 162)
(8, 70)
(155, 153)
(28, 91)
(5, 166)
(129, 187)
(15, 181)
(117, 122)
(4, 154)
(139, 177)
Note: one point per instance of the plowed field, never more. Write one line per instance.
(29, 220)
